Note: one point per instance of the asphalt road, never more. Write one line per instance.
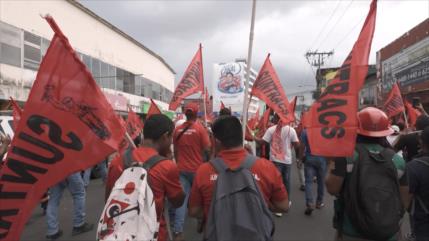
(292, 226)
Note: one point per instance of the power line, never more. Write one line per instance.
(347, 35)
(336, 23)
(326, 24)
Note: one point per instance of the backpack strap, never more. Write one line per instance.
(248, 162)
(219, 165)
(184, 130)
(151, 162)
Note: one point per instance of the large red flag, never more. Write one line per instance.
(192, 81)
(412, 113)
(267, 87)
(394, 104)
(332, 119)
(134, 124)
(67, 126)
(153, 109)
(16, 113)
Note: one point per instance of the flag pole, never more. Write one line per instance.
(406, 119)
(204, 105)
(249, 63)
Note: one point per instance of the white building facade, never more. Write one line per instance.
(127, 71)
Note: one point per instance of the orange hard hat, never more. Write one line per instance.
(373, 122)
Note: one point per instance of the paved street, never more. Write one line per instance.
(293, 226)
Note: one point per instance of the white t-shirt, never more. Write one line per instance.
(288, 135)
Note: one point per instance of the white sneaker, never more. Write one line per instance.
(278, 214)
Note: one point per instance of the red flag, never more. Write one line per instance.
(267, 87)
(153, 109)
(16, 113)
(412, 113)
(253, 122)
(248, 135)
(67, 126)
(263, 122)
(191, 83)
(222, 106)
(292, 107)
(394, 104)
(134, 124)
(332, 120)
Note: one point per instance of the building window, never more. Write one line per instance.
(95, 70)
(112, 77)
(120, 74)
(10, 45)
(32, 51)
(104, 75)
(129, 83)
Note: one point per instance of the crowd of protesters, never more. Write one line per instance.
(187, 178)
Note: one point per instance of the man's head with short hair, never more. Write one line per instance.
(225, 112)
(158, 130)
(276, 119)
(422, 122)
(228, 132)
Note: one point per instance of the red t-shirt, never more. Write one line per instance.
(189, 148)
(266, 174)
(163, 180)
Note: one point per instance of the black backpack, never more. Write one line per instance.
(238, 210)
(371, 195)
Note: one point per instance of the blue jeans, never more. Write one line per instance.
(284, 170)
(102, 168)
(178, 219)
(74, 183)
(314, 167)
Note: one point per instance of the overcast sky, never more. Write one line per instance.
(286, 29)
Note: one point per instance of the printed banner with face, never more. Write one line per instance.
(267, 87)
(394, 104)
(332, 119)
(228, 86)
(67, 126)
(192, 81)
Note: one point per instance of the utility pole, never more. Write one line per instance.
(317, 59)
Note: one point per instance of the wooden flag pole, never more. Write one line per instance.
(130, 140)
(406, 119)
(249, 64)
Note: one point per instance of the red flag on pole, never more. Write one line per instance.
(263, 122)
(394, 104)
(67, 126)
(292, 107)
(134, 124)
(192, 81)
(16, 113)
(222, 106)
(267, 87)
(253, 122)
(332, 120)
(412, 113)
(153, 109)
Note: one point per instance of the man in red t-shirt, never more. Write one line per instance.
(164, 176)
(229, 144)
(191, 149)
